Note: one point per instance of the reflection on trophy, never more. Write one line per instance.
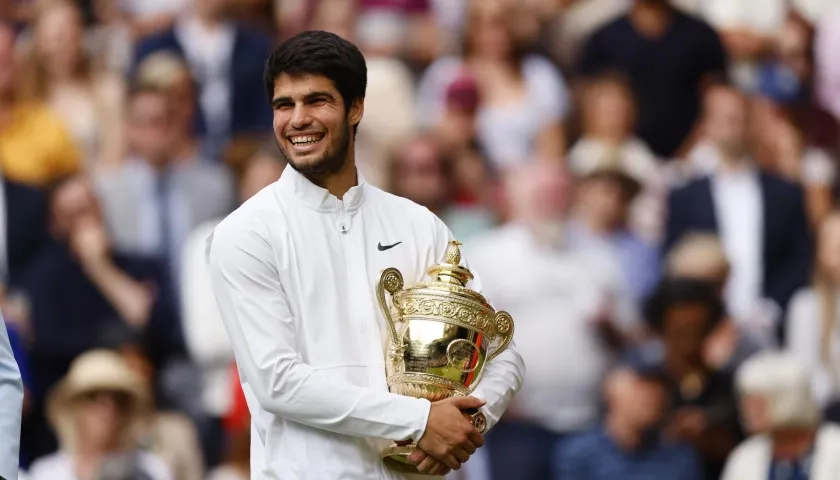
(442, 334)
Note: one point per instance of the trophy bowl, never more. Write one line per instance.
(441, 336)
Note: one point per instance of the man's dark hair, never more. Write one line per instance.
(319, 53)
(673, 292)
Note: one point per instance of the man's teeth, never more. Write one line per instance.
(305, 139)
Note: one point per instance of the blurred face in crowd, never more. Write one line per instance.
(59, 34)
(182, 100)
(793, 47)
(605, 199)
(261, 171)
(149, 126)
(100, 418)
(419, 173)
(828, 252)
(489, 32)
(212, 8)
(8, 64)
(725, 120)
(685, 328)
(754, 414)
(638, 402)
(73, 204)
(312, 125)
(608, 112)
(538, 193)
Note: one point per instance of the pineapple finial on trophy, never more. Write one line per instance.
(453, 253)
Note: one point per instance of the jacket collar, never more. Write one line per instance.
(293, 183)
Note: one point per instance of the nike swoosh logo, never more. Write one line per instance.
(382, 248)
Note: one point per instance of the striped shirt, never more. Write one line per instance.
(594, 455)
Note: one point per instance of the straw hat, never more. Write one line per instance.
(95, 371)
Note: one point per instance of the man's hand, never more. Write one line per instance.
(450, 438)
(89, 242)
(428, 464)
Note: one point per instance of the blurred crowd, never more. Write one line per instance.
(648, 186)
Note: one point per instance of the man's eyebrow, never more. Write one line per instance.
(308, 97)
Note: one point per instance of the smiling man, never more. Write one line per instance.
(293, 271)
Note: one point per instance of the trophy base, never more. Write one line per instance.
(396, 458)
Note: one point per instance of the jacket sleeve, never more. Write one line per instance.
(261, 327)
(503, 376)
(11, 406)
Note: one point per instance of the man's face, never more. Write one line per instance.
(685, 328)
(149, 121)
(312, 126)
(73, 203)
(421, 176)
(726, 120)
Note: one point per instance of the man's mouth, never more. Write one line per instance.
(305, 140)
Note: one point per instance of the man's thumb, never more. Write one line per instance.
(464, 403)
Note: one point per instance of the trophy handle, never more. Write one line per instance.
(504, 329)
(391, 281)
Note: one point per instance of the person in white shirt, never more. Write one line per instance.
(11, 407)
(293, 271)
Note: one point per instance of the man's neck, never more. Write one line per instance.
(651, 19)
(793, 444)
(625, 436)
(340, 182)
(732, 160)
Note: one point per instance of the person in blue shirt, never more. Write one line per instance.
(628, 444)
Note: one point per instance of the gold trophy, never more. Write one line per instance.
(441, 338)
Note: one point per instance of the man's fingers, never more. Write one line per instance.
(426, 465)
(417, 456)
(461, 454)
(467, 402)
(475, 438)
(450, 461)
(439, 469)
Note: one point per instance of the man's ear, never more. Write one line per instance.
(357, 111)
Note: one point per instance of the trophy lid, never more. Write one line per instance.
(450, 270)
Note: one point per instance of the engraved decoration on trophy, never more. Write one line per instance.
(441, 336)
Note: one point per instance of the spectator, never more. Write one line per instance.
(813, 320)
(826, 65)
(227, 62)
(79, 286)
(35, 146)
(59, 72)
(789, 440)
(700, 256)
(629, 443)
(608, 117)
(759, 217)
(668, 56)
(421, 172)
(154, 200)
(682, 313)
(568, 300)
(168, 434)
(167, 72)
(524, 99)
(95, 410)
(748, 30)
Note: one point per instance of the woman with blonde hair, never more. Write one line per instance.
(96, 411)
(58, 71)
(813, 323)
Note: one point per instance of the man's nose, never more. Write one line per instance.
(300, 117)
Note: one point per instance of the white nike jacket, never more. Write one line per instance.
(293, 271)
